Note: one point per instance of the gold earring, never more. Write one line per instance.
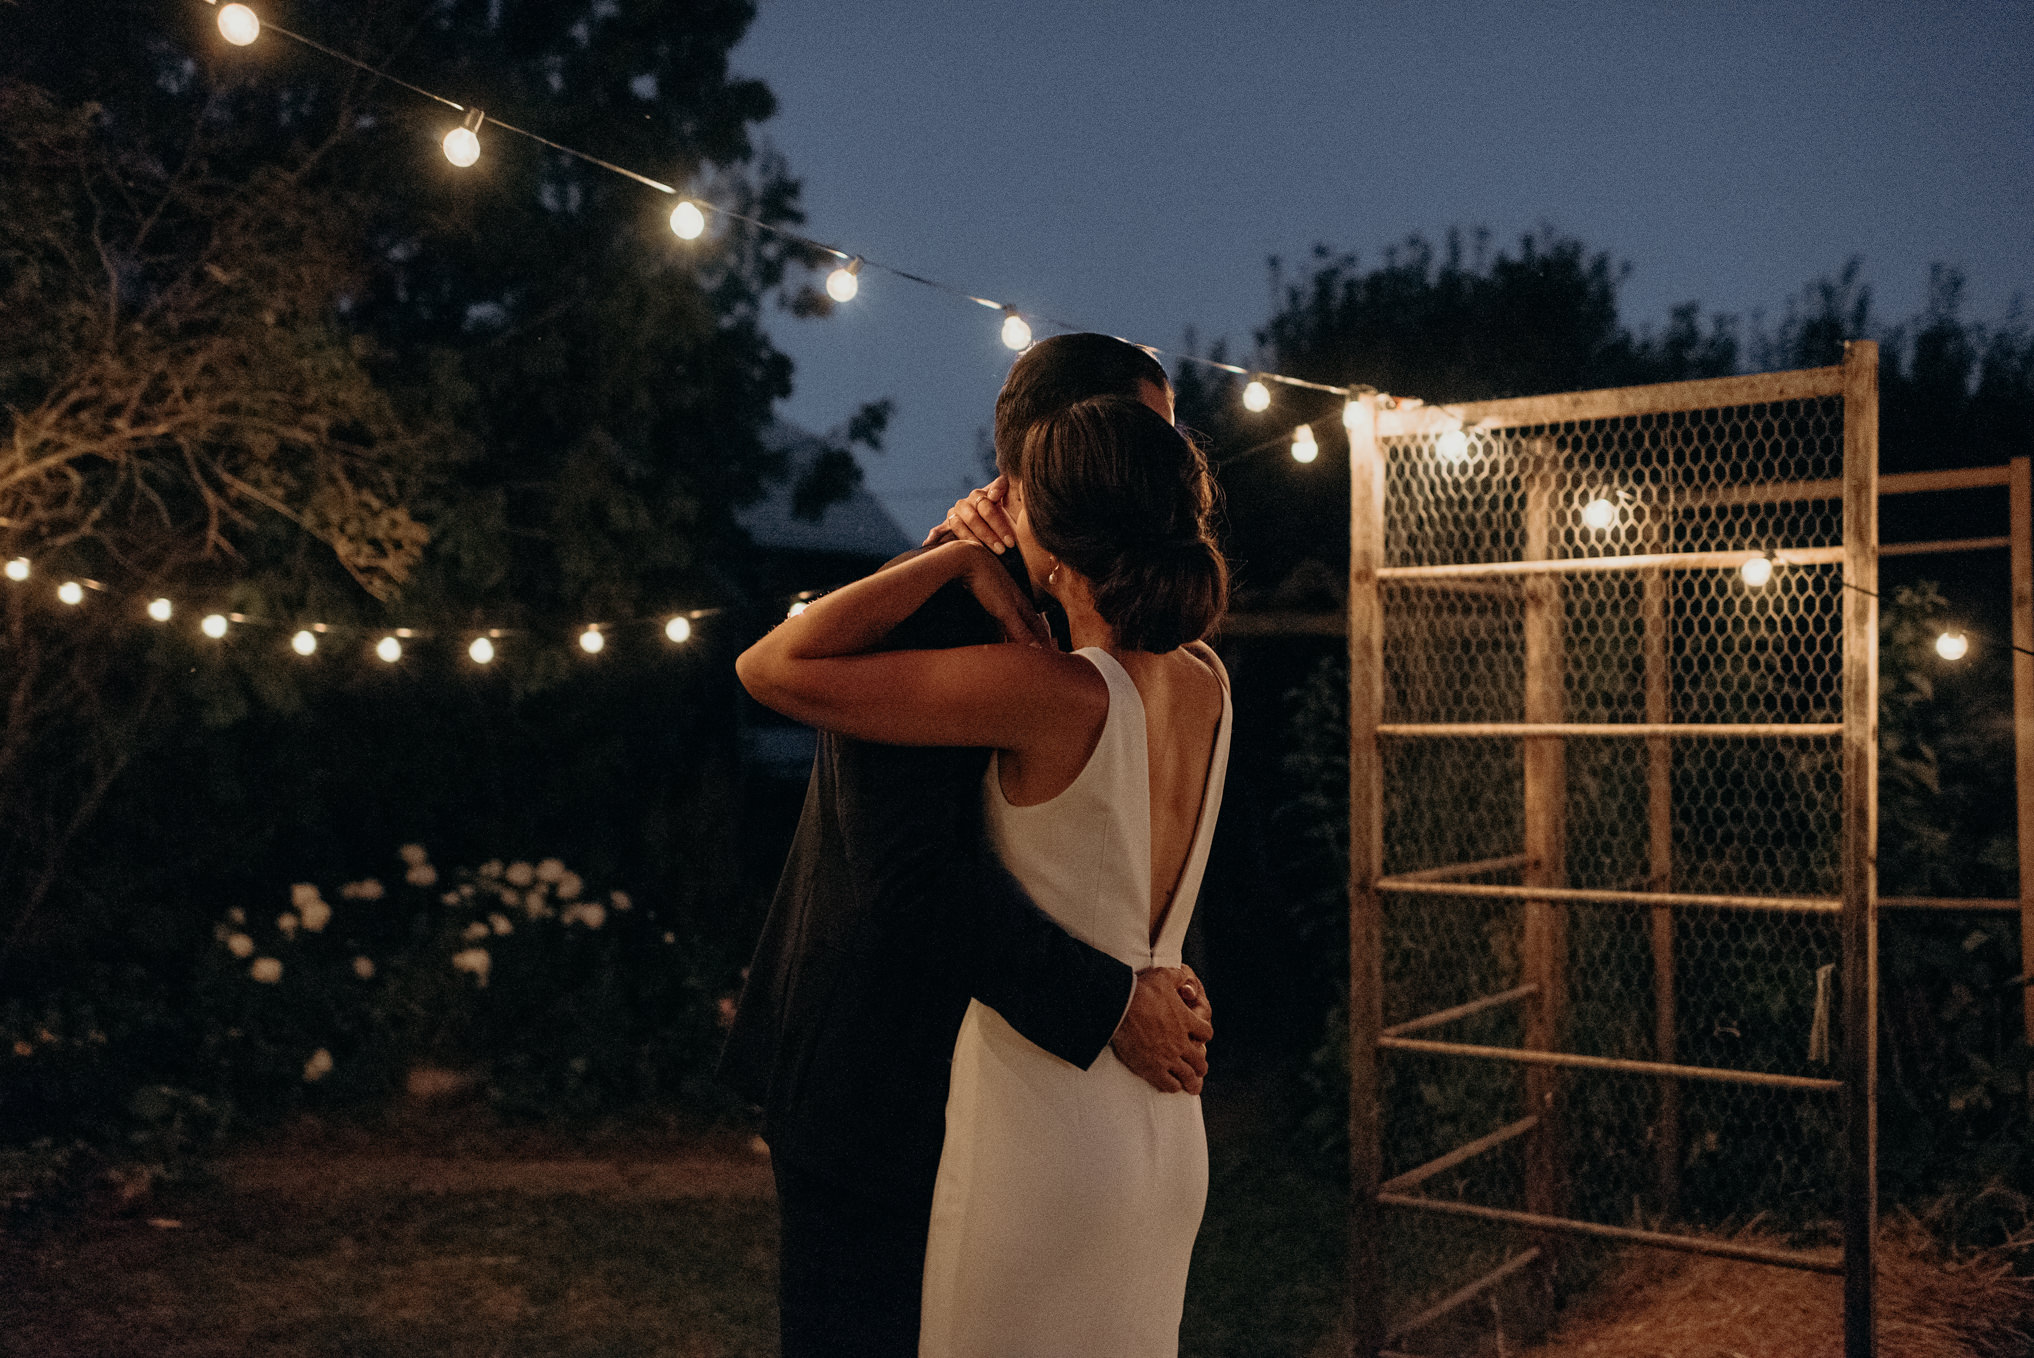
(1052, 576)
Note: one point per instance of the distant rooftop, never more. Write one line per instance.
(857, 526)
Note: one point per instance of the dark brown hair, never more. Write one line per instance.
(1119, 495)
(1054, 373)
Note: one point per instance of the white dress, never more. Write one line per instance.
(1067, 1202)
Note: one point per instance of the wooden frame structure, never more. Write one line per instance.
(1544, 894)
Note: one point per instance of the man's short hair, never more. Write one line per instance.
(1055, 373)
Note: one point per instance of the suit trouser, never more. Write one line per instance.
(850, 1269)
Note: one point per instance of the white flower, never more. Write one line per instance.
(475, 960)
(592, 914)
(240, 945)
(287, 923)
(319, 1066)
(670, 937)
(521, 873)
(266, 970)
(450, 898)
(491, 868)
(500, 924)
(421, 874)
(619, 900)
(536, 906)
(366, 889)
(302, 894)
(474, 932)
(467, 891)
(413, 854)
(363, 967)
(317, 915)
(568, 886)
(550, 870)
(237, 915)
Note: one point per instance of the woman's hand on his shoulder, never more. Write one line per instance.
(978, 516)
(986, 578)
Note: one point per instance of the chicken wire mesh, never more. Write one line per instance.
(1752, 814)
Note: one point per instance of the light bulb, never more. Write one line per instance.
(841, 284)
(1599, 513)
(214, 625)
(17, 569)
(160, 610)
(389, 649)
(796, 608)
(71, 592)
(1757, 571)
(238, 24)
(1304, 448)
(462, 146)
(1952, 645)
(304, 642)
(1452, 445)
(679, 628)
(482, 651)
(1016, 332)
(590, 641)
(1352, 413)
(687, 221)
(1256, 396)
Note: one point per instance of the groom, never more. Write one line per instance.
(892, 912)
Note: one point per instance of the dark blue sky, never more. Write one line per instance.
(1130, 166)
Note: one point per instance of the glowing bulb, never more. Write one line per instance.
(239, 25)
(679, 628)
(304, 642)
(687, 221)
(796, 608)
(590, 641)
(482, 651)
(1304, 448)
(160, 610)
(1016, 332)
(1952, 645)
(71, 592)
(1452, 445)
(462, 146)
(841, 284)
(17, 569)
(389, 649)
(1757, 571)
(1256, 396)
(214, 625)
(1599, 513)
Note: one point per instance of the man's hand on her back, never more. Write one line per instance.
(1163, 1038)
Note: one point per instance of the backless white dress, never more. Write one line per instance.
(1064, 1215)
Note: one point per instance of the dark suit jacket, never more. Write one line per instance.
(892, 911)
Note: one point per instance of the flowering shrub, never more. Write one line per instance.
(546, 995)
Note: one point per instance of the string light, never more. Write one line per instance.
(160, 609)
(462, 143)
(797, 606)
(17, 569)
(591, 641)
(389, 649)
(1757, 571)
(1952, 645)
(1352, 415)
(842, 285)
(1599, 513)
(1304, 448)
(304, 642)
(1016, 331)
(687, 221)
(214, 625)
(679, 629)
(71, 592)
(482, 651)
(239, 25)
(1256, 396)
(1452, 445)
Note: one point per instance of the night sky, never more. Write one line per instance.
(1129, 167)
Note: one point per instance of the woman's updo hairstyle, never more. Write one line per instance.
(1116, 493)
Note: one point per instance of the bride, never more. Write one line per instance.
(1067, 1200)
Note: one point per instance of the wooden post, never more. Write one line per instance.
(1544, 943)
(2021, 496)
(1660, 877)
(1366, 865)
(1860, 841)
